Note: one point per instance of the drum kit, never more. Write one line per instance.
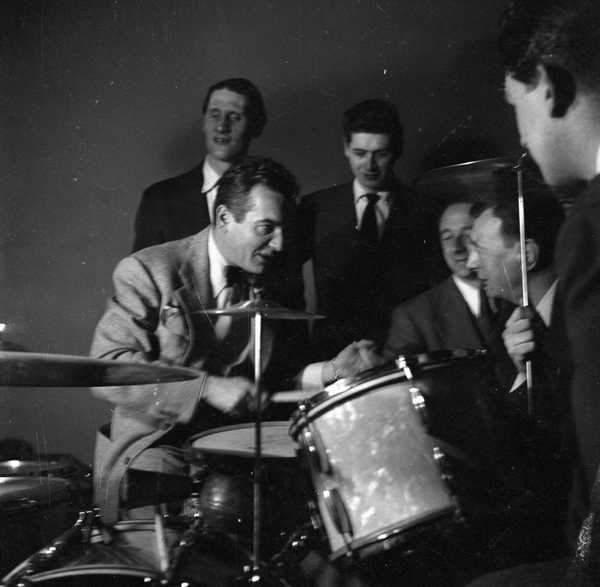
(362, 467)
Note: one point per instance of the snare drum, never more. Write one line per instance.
(377, 472)
(225, 498)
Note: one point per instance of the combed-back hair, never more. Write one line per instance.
(255, 105)
(375, 116)
(544, 216)
(236, 183)
(562, 35)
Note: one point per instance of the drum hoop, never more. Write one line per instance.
(393, 533)
(97, 569)
(339, 391)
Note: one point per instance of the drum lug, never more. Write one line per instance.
(339, 515)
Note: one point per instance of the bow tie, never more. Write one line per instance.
(237, 276)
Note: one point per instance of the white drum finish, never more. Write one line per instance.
(376, 471)
(381, 463)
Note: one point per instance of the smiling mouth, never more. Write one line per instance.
(222, 140)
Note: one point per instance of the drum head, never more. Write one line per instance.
(239, 441)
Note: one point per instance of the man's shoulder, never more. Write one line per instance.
(170, 253)
(326, 195)
(428, 300)
(190, 180)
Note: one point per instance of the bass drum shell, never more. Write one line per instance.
(127, 554)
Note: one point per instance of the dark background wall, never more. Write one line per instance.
(101, 98)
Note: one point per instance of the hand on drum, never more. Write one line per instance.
(231, 395)
(356, 357)
(519, 336)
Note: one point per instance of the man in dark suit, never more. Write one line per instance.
(551, 54)
(369, 240)
(234, 114)
(533, 526)
(453, 314)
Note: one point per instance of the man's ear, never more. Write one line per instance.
(222, 217)
(560, 88)
(532, 254)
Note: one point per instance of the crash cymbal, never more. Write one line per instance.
(265, 308)
(18, 369)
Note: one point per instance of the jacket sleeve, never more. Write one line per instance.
(131, 330)
(578, 266)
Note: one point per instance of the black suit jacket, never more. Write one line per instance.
(578, 267)
(435, 320)
(358, 285)
(171, 209)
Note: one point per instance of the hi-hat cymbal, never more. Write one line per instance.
(265, 308)
(472, 179)
(18, 369)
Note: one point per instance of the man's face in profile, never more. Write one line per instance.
(539, 130)
(371, 158)
(252, 241)
(226, 126)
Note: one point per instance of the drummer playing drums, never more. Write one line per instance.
(157, 316)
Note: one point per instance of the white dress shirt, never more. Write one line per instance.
(470, 293)
(382, 207)
(216, 264)
(209, 187)
(598, 161)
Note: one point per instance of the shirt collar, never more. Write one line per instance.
(544, 306)
(211, 177)
(359, 191)
(217, 264)
(471, 294)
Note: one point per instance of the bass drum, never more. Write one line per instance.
(131, 553)
(379, 474)
(33, 511)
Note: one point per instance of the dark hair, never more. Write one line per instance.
(543, 218)
(237, 182)
(374, 116)
(562, 35)
(255, 106)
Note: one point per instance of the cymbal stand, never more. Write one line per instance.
(256, 485)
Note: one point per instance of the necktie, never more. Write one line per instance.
(235, 291)
(368, 225)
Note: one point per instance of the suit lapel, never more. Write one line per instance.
(455, 316)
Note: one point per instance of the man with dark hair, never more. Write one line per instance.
(369, 240)
(234, 114)
(541, 467)
(551, 53)
(157, 315)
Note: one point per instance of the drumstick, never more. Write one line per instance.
(524, 283)
(161, 545)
